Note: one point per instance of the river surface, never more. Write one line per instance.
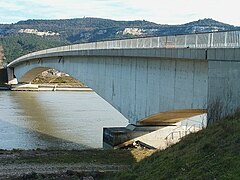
(54, 120)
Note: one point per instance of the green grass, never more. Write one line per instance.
(213, 153)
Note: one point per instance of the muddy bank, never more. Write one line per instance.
(50, 87)
(63, 164)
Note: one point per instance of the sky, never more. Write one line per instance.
(158, 11)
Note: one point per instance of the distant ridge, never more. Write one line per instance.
(95, 29)
(208, 22)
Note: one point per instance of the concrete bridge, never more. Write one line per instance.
(176, 76)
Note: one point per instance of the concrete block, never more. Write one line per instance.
(237, 54)
(139, 52)
(229, 54)
(132, 52)
(145, 52)
(200, 54)
(193, 53)
(220, 54)
(125, 52)
(102, 52)
(113, 52)
(157, 52)
(174, 53)
(88, 52)
(120, 52)
(187, 53)
(149, 52)
(163, 52)
(128, 52)
(211, 54)
(169, 53)
(180, 53)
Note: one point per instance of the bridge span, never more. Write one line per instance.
(146, 76)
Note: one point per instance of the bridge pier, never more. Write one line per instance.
(155, 136)
(223, 82)
(4, 79)
(3, 76)
(113, 137)
(154, 128)
(11, 79)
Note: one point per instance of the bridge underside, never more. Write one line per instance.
(31, 75)
(138, 87)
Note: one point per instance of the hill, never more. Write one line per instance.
(18, 45)
(95, 29)
(212, 153)
(31, 35)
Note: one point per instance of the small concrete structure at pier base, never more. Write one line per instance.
(3, 76)
(3, 79)
(157, 135)
(114, 136)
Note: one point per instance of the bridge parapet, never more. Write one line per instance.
(230, 39)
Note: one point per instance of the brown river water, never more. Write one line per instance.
(54, 120)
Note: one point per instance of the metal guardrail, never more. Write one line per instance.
(186, 129)
(228, 39)
(183, 132)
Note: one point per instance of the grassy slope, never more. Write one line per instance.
(212, 153)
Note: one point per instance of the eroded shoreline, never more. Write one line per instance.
(50, 87)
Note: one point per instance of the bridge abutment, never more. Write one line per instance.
(223, 82)
(3, 76)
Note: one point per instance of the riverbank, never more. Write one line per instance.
(50, 87)
(64, 164)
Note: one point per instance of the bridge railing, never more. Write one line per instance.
(228, 39)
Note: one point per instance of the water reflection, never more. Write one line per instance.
(68, 120)
(13, 136)
(37, 118)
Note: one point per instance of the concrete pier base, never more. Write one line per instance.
(3, 76)
(114, 136)
(152, 136)
(4, 87)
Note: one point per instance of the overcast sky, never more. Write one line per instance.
(159, 11)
